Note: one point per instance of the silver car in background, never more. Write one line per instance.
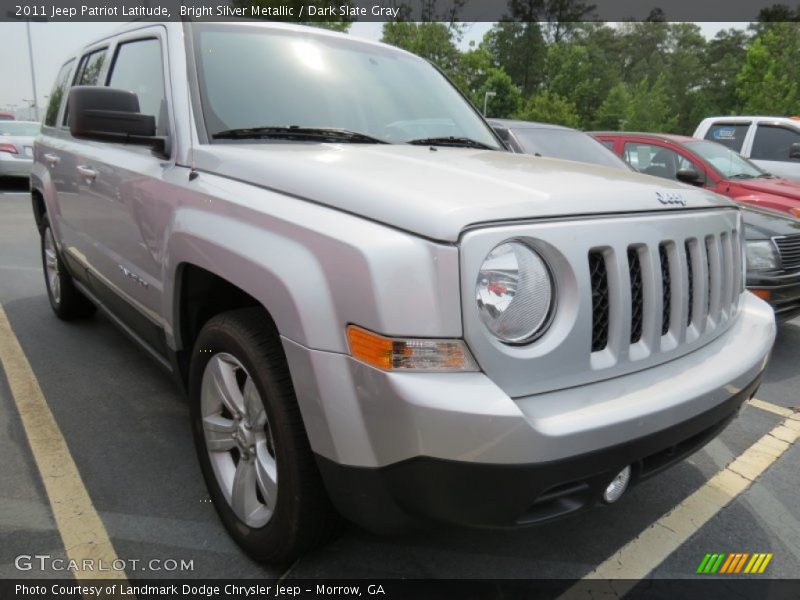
(555, 141)
(16, 147)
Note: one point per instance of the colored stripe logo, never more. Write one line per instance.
(735, 562)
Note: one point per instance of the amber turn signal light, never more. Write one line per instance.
(415, 354)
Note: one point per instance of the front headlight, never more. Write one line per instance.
(761, 255)
(515, 293)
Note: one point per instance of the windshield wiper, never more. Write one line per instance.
(741, 176)
(295, 132)
(461, 142)
(766, 176)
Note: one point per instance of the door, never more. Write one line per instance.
(125, 210)
(63, 156)
(771, 148)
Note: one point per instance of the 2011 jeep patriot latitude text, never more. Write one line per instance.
(377, 311)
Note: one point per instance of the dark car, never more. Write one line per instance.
(773, 259)
(773, 239)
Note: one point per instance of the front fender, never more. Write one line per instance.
(313, 268)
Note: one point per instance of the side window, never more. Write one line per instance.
(138, 68)
(608, 144)
(57, 95)
(88, 73)
(728, 134)
(773, 142)
(90, 67)
(651, 159)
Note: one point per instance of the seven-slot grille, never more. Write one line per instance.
(692, 284)
(789, 247)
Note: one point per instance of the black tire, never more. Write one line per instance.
(67, 301)
(303, 516)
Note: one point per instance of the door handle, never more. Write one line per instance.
(52, 159)
(87, 173)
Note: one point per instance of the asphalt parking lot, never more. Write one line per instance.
(127, 430)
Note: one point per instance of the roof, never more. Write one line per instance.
(664, 137)
(512, 124)
(734, 118)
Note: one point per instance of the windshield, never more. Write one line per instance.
(569, 145)
(19, 128)
(251, 77)
(729, 164)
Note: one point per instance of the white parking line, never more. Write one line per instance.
(640, 556)
(80, 527)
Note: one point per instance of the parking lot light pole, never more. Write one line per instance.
(35, 105)
(486, 97)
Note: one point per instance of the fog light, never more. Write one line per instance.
(617, 486)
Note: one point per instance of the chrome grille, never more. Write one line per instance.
(789, 248)
(612, 272)
(678, 288)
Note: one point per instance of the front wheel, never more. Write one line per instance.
(65, 299)
(250, 440)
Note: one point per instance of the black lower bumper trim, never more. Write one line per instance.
(423, 489)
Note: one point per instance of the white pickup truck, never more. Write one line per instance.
(773, 143)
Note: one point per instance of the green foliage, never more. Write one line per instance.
(650, 108)
(507, 99)
(614, 112)
(648, 76)
(518, 49)
(550, 108)
(434, 41)
(767, 83)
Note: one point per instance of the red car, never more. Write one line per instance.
(706, 164)
(6, 116)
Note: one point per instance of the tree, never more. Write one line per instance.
(433, 41)
(550, 108)
(767, 82)
(570, 74)
(686, 74)
(650, 108)
(614, 112)
(507, 97)
(519, 49)
(723, 58)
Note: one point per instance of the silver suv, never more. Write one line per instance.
(375, 310)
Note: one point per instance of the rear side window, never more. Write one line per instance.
(728, 134)
(658, 161)
(90, 67)
(88, 73)
(138, 68)
(773, 142)
(57, 95)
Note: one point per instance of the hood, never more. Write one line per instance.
(776, 186)
(763, 223)
(437, 192)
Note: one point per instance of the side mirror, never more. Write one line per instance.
(111, 115)
(690, 176)
(794, 151)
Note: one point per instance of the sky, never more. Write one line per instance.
(53, 42)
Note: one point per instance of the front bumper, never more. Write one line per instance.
(781, 291)
(390, 445)
(422, 489)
